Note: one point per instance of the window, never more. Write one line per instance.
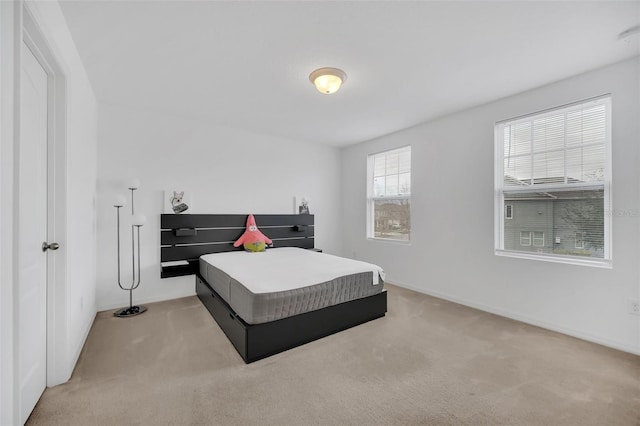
(555, 168)
(389, 194)
(538, 239)
(526, 237)
(508, 211)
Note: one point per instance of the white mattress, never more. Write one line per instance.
(287, 268)
(283, 282)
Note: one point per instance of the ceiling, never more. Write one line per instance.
(246, 64)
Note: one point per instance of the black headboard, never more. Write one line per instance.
(186, 237)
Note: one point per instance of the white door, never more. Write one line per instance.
(32, 232)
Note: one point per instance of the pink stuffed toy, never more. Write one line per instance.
(252, 239)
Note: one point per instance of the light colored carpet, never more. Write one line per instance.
(428, 362)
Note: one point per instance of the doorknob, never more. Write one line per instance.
(53, 246)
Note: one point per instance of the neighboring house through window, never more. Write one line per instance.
(554, 167)
(389, 194)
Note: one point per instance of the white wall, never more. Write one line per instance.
(76, 308)
(452, 250)
(8, 408)
(226, 170)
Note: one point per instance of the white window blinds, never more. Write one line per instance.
(392, 173)
(565, 146)
(553, 168)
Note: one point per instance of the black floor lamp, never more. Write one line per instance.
(137, 221)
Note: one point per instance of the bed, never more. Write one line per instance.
(287, 296)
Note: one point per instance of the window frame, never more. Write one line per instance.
(371, 199)
(605, 185)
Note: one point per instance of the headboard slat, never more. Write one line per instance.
(192, 253)
(167, 237)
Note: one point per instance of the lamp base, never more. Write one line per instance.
(130, 312)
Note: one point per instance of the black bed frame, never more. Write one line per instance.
(187, 237)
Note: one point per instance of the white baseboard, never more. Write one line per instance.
(117, 305)
(522, 318)
(78, 351)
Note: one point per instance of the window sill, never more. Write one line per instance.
(390, 240)
(568, 260)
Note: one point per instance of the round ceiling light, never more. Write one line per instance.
(328, 80)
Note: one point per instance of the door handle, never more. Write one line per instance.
(53, 246)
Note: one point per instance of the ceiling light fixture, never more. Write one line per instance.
(328, 80)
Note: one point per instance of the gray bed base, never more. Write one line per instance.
(256, 341)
